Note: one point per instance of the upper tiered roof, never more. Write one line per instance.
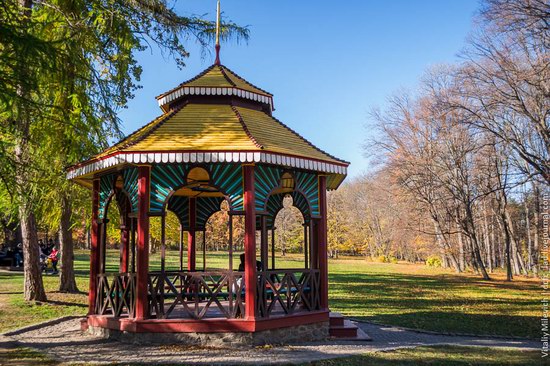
(216, 80)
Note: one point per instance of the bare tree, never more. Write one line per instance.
(504, 85)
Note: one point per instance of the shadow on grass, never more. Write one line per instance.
(79, 292)
(455, 322)
(5, 274)
(441, 356)
(65, 303)
(455, 304)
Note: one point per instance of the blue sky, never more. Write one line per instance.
(326, 62)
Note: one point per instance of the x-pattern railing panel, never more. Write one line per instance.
(202, 294)
(287, 290)
(116, 297)
(196, 294)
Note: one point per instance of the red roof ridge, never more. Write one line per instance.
(204, 72)
(152, 127)
(245, 128)
(246, 81)
(160, 123)
(310, 144)
(227, 77)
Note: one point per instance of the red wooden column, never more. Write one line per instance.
(94, 246)
(181, 247)
(250, 277)
(191, 237)
(125, 245)
(273, 245)
(322, 242)
(264, 242)
(306, 244)
(142, 300)
(133, 226)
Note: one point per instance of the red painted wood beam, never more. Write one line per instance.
(322, 242)
(264, 242)
(313, 257)
(191, 237)
(125, 245)
(181, 247)
(124, 249)
(250, 277)
(133, 227)
(211, 325)
(273, 246)
(94, 246)
(163, 242)
(142, 300)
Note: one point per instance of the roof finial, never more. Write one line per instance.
(217, 62)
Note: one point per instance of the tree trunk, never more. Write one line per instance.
(470, 226)
(494, 244)
(486, 239)
(461, 253)
(508, 259)
(33, 286)
(67, 282)
(518, 259)
(446, 256)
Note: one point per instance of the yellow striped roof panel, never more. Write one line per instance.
(218, 127)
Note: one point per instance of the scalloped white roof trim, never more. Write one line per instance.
(190, 90)
(207, 157)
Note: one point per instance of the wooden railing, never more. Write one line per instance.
(288, 290)
(196, 294)
(116, 294)
(199, 295)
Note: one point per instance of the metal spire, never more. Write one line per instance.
(217, 62)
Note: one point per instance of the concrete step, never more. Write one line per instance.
(349, 332)
(336, 319)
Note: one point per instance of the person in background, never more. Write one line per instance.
(50, 246)
(54, 257)
(241, 265)
(19, 255)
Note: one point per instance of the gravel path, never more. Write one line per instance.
(65, 342)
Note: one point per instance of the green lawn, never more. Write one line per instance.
(409, 295)
(440, 355)
(417, 296)
(436, 355)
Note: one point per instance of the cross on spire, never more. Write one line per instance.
(218, 16)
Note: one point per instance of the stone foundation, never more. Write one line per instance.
(299, 333)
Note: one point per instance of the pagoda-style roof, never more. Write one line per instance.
(215, 117)
(216, 80)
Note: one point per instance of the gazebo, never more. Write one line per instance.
(216, 141)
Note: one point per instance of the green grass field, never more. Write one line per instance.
(409, 295)
(440, 355)
(417, 296)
